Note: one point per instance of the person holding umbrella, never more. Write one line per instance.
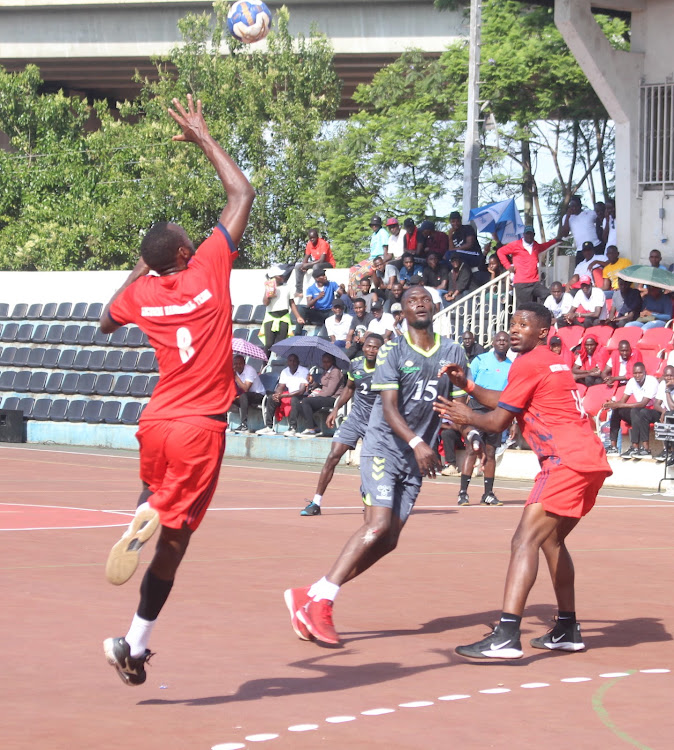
(293, 381)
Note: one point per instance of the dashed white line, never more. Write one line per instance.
(457, 697)
(302, 727)
(416, 704)
(261, 737)
(495, 691)
(378, 711)
(615, 674)
(532, 685)
(340, 719)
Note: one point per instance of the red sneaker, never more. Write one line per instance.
(317, 616)
(296, 599)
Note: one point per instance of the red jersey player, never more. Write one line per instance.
(541, 394)
(185, 310)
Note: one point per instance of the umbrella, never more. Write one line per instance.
(241, 346)
(648, 275)
(502, 218)
(310, 350)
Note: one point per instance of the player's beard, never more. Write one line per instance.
(421, 324)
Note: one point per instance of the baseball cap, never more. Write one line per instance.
(529, 228)
(408, 223)
(426, 225)
(587, 245)
(396, 307)
(275, 271)
(377, 305)
(416, 279)
(392, 222)
(376, 221)
(585, 280)
(338, 303)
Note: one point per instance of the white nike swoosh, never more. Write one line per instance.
(502, 620)
(557, 640)
(495, 647)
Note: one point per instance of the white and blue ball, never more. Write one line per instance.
(249, 21)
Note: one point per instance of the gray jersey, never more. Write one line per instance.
(363, 396)
(413, 373)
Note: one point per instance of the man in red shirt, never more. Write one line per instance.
(541, 394)
(521, 257)
(186, 312)
(317, 252)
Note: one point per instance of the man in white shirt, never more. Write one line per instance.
(587, 265)
(381, 323)
(338, 324)
(610, 233)
(640, 414)
(249, 389)
(559, 303)
(589, 305)
(581, 224)
(293, 381)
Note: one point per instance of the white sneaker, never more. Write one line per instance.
(290, 433)
(308, 434)
(124, 556)
(266, 431)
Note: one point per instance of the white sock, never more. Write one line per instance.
(138, 635)
(323, 589)
(317, 499)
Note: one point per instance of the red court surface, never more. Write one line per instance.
(229, 672)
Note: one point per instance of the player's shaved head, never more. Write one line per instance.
(160, 246)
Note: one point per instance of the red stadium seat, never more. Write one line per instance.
(601, 334)
(653, 364)
(582, 389)
(597, 275)
(595, 396)
(633, 335)
(656, 339)
(571, 335)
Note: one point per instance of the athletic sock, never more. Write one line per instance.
(488, 485)
(509, 624)
(317, 500)
(139, 635)
(566, 619)
(323, 589)
(465, 481)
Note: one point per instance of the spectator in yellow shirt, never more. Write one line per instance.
(611, 269)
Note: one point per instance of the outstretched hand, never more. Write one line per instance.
(457, 412)
(192, 122)
(455, 374)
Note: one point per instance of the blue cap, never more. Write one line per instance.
(529, 228)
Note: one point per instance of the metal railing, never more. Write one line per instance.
(485, 311)
(656, 135)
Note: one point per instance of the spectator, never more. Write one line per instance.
(590, 362)
(609, 233)
(409, 269)
(451, 438)
(394, 295)
(612, 268)
(411, 238)
(399, 322)
(664, 403)
(559, 302)
(338, 324)
(320, 296)
(322, 395)
(463, 240)
(495, 267)
(627, 304)
(293, 381)
(470, 346)
(460, 280)
(521, 257)
(620, 364)
(589, 305)
(356, 336)
(582, 225)
(656, 310)
(279, 303)
(396, 242)
(379, 238)
(317, 253)
(587, 265)
(366, 294)
(640, 414)
(655, 259)
(600, 213)
(432, 241)
(249, 390)
(557, 346)
(434, 274)
(381, 323)
(378, 277)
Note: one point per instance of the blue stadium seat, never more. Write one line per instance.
(118, 337)
(25, 333)
(110, 412)
(4, 311)
(21, 381)
(82, 359)
(243, 314)
(147, 362)
(92, 412)
(113, 360)
(122, 385)
(97, 360)
(9, 333)
(7, 356)
(67, 358)
(19, 312)
(48, 311)
(70, 334)
(94, 311)
(129, 360)
(51, 358)
(256, 364)
(138, 387)
(131, 413)
(134, 337)
(59, 409)
(86, 383)
(69, 384)
(100, 338)
(53, 384)
(258, 314)
(42, 408)
(152, 384)
(37, 382)
(26, 406)
(104, 383)
(240, 333)
(7, 380)
(40, 333)
(36, 357)
(21, 357)
(254, 338)
(34, 311)
(79, 311)
(63, 311)
(75, 411)
(11, 403)
(55, 334)
(86, 335)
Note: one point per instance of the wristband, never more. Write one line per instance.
(470, 386)
(416, 440)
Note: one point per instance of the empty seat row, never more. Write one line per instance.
(71, 335)
(248, 314)
(76, 410)
(86, 383)
(86, 359)
(52, 311)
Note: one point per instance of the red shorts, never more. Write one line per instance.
(566, 492)
(180, 461)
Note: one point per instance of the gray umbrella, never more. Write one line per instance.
(310, 350)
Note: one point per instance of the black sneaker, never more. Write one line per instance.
(561, 638)
(612, 451)
(643, 453)
(661, 457)
(311, 510)
(495, 646)
(130, 670)
(463, 498)
(629, 454)
(489, 498)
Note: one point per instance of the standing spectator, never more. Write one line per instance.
(293, 381)
(463, 240)
(587, 265)
(396, 242)
(379, 238)
(381, 323)
(590, 362)
(338, 324)
(435, 275)
(640, 415)
(460, 280)
(278, 302)
(432, 241)
(612, 268)
(559, 302)
(409, 269)
(470, 346)
(249, 390)
(609, 233)
(322, 395)
(656, 310)
(412, 237)
(356, 336)
(620, 364)
(589, 305)
(495, 267)
(600, 213)
(320, 296)
(582, 225)
(626, 307)
(317, 253)
(521, 257)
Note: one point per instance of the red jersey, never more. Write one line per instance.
(322, 247)
(542, 393)
(525, 262)
(187, 317)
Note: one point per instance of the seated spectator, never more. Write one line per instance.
(356, 336)
(590, 362)
(396, 243)
(463, 240)
(394, 294)
(320, 296)
(627, 304)
(656, 310)
(664, 403)
(460, 280)
(470, 346)
(494, 267)
(409, 269)
(431, 241)
(293, 381)
(412, 237)
(611, 270)
(640, 414)
(434, 274)
(589, 305)
(587, 265)
(317, 253)
(559, 302)
(618, 368)
(338, 324)
(655, 261)
(381, 323)
(378, 278)
(249, 389)
(323, 393)
(366, 293)
(279, 303)
(557, 346)
(399, 323)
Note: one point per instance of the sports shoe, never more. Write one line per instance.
(450, 471)
(317, 616)
(504, 446)
(463, 498)
(661, 457)
(131, 670)
(495, 646)
(628, 454)
(290, 433)
(561, 638)
(124, 556)
(612, 451)
(489, 498)
(308, 434)
(311, 510)
(266, 431)
(643, 453)
(296, 599)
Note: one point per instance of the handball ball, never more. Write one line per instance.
(249, 21)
